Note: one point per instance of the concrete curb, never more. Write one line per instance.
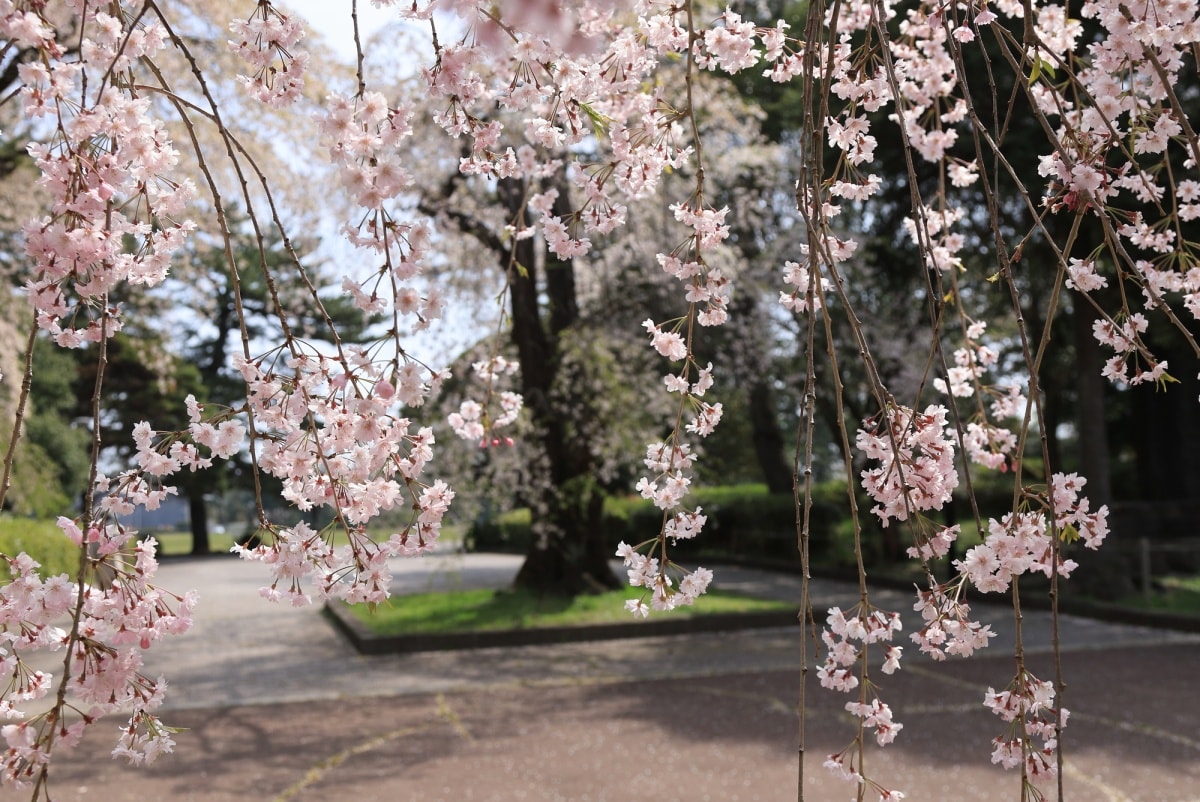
(1116, 614)
(368, 643)
(1068, 604)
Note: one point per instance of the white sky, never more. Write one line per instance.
(331, 18)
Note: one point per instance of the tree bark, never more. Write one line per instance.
(1093, 428)
(1051, 386)
(768, 437)
(198, 512)
(567, 553)
(1103, 574)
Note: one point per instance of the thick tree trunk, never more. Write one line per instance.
(1093, 428)
(1051, 387)
(198, 512)
(1165, 428)
(1103, 574)
(568, 553)
(768, 438)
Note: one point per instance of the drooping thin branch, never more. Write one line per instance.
(358, 49)
(19, 414)
(807, 190)
(58, 713)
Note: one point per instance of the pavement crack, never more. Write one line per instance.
(1140, 728)
(446, 713)
(318, 772)
(1110, 793)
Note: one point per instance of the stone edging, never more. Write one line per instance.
(367, 642)
(1116, 614)
(1067, 605)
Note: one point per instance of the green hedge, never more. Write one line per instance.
(41, 540)
(507, 531)
(743, 521)
(747, 522)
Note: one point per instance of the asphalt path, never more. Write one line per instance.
(279, 707)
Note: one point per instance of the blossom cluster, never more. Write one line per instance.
(1031, 741)
(331, 432)
(115, 217)
(799, 276)
(364, 137)
(1022, 542)
(1019, 543)
(646, 572)
(475, 421)
(841, 634)
(948, 629)
(1125, 339)
(115, 210)
(267, 43)
(985, 443)
(969, 365)
(933, 110)
(916, 455)
(731, 44)
(847, 638)
(122, 614)
(1125, 157)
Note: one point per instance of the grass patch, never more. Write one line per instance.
(41, 540)
(472, 610)
(179, 543)
(1176, 594)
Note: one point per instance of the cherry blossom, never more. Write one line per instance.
(1030, 742)
(916, 453)
(267, 42)
(590, 105)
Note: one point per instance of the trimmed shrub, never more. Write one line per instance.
(41, 540)
(744, 521)
(504, 532)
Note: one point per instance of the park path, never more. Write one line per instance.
(279, 707)
(244, 650)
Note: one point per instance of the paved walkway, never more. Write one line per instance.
(279, 707)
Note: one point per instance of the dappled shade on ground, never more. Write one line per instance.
(723, 737)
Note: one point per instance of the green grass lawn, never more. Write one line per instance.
(175, 544)
(1179, 594)
(505, 609)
